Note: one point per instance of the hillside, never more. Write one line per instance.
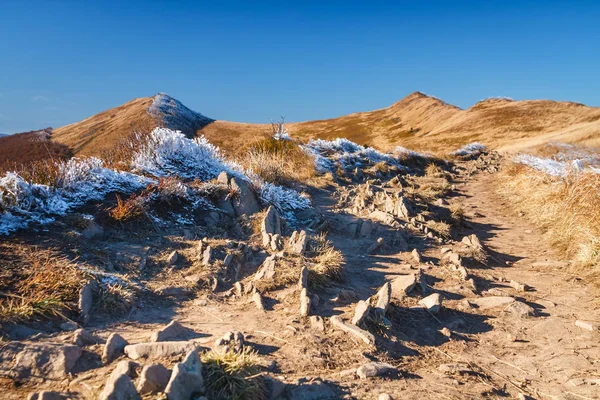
(418, 121)
(26, 147)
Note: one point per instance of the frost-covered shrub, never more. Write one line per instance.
(400, 151)
(471, 149)
(169, 153)
(554, 167)
(283, 199)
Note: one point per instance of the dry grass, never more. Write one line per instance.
(326, 263)
(234, 376)
(428, 188)
(42, 285)
(114, 299)
(128, 210)
(567, 210)
(282, 162)
(457, 212)
(441, 228)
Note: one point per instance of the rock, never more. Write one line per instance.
(304, 303)
(186, 378)
(119, 385)
(224, 178)
(383, 217)
(462, 270)
(19, 331)
(81, 338)
(403, 209)
(49, 360)
(86, 300)
(587, 325)
(207, 256)
(298, 242)
(519, 286)
(455, 369)
(445, 250)
(472, 241)
(172, 331)
(315, 390)
(346, 296)
(92, 231)
(375, 246)
(232, 341)
(267, 270)
(158, 349)
(520, 309)
(446, 332)
(486, 303)
(416, 255)
(366, 229)
(453, 258)
(432, 303)
(317, 323)
(402, 285)
(276, 242)
(354, 330)
(373, 369)
(303, 281)
(46, 395)
(153, 379)
(172, 258)
(275, 387)
(68, 326)
(113, 349)
(271, 223)
(360, 312)
(245, 203)
(441, 202)
(227, 260)
(383, 299)
(258, 300)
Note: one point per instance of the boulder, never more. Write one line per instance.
(186, 378)
(173, 330)
(158, 349)
(383, 299)
(402, 285)
(432, 303)
(373, 369)
(246, 202)
(49, 360)
(113, 349)
(361, 312)
(153, 379)
(267, 270)
(119, 385)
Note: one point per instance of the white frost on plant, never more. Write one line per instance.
(403, 151)
(283, 199)
(553, 167)
(471, 149)
(170, 153)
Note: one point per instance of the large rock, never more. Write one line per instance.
(432, 303)
(402, 285)
(48, 360)
(119, 385)
(298, 242)
(486, 303)
(361, 312)
(267, 270)
(153, 379)
(115, 344)
(173, 330)
(383, 299)
(186, 378)
(245, 202)
(158, 349)
(373, 369)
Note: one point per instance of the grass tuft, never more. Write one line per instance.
(233, 375)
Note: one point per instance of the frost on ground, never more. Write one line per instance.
(163, 153)
(349, 155)
(553, 167)
(471, 149)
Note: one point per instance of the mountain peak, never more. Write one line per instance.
(175, 115)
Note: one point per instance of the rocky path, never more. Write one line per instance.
(416, 317)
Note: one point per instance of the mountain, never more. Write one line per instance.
(418, 121)
(25, 147)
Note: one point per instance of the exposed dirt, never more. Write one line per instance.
(494, 353)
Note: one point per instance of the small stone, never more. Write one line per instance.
(258, 300)
(119, 385)
(520, 309)
(113, 349)
(365, 336)
(232, 341)
(69, 326)
(485, 303)
(81, 338)
(402, 285)
(46, 395)
(267, 269)
(432, 303)
(383, 299)
(207, 256)
(304, 303)
(380, 242)
(172, 331)
(373, 369)
(446, 332)
(346, 296)
(385, 396)
(519, 286)
(186, 378)
(227, 260)
(587, 325)
(158, 349)
(92, 231)
(315, 390)
(153, 379)
(298, 242)
(455, 369)
(360, 312)
(172, 258)
(317, 323)
(86, 300)
(416, 255)
(276, 242)
(303, 281)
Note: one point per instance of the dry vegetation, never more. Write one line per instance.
(567, 210)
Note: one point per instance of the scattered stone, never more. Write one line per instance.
(373, 369)
(402, 285)
(315, 390)
(365, 336)
(520, 309)
(433, 303)
(245, 203)
(49, 360)
(230, 341)
(587, 325)
(69, 326)
(258, 300)
(158, 349)
(172, 258)
(383, 299)
(207, 256)
(81, 338)
(360, 312)
(267, 270)
(46, 395)
(303, 281)
(446, 332)
(519, 286)
(298, 242)
(455, 369)
(317, 323)
(485, 303)
(113, 349)
(304, 303)
(86, 300)
(380, 242)
(276, 242)
(172, 331)
(153, 379)
(119, 385)
(186, 378)
(416, 255)
(227, 260)
(472, 241)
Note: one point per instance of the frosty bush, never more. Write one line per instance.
(471, 149)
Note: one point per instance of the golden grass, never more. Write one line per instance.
(441, 228)
(114, 299)
(128, 210)
(326, 262)
(45, 285)
(233, 375)
(428, 188)
(567, 210)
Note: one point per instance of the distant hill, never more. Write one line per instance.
(418, 121)
(26, 147)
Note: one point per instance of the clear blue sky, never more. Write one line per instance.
(61, 61)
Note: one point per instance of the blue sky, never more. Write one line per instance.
(62, 61)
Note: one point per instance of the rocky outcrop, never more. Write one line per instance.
(48, 360)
